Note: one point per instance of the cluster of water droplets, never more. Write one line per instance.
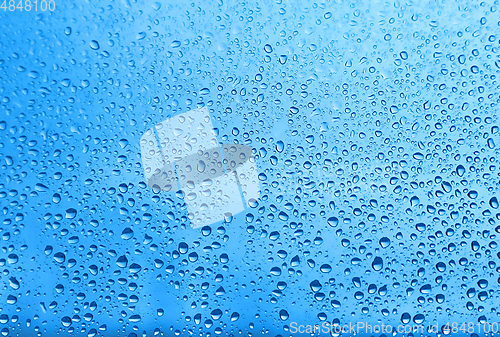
(375, 136)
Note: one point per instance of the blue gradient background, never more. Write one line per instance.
(356, 111)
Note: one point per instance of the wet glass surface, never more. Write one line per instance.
(301, 163)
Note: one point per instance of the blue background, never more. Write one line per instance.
(375, 129)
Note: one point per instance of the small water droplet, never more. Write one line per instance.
(94, 45)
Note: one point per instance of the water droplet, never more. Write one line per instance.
(122, 262)
(94, 45)
(385, 242)
(14, 283)
(127, 234)
(325, 268)
(66, 321)
(135, 318)
(12, 258)
(446, 186)
(377, 263)
(315, 286)
(71, 213)
(420, 227)
(59, 257)
(493, 202)
(333, 221)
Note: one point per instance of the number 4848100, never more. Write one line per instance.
(28, 5)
